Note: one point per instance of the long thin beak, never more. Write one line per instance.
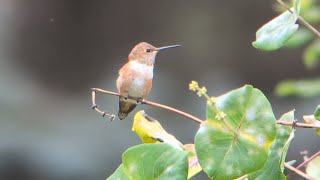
(167, 47)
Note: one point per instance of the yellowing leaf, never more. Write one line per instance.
(194, 166)
(310, 119)
(273, 168)
(150, 131)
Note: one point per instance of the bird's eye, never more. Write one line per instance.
(148, 50)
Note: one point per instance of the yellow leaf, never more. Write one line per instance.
(194, 166)
(310, 119)
(150, 131)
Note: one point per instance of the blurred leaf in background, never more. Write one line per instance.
(299, 88)
(300, 38)
(311, 55)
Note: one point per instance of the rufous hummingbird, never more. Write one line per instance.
(135, 77)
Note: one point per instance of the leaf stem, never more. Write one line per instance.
(150, 103)
(304, 22)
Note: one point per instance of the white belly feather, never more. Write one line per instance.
(143, 73)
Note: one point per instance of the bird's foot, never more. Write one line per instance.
(139, 100)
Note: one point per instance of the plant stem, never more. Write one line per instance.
(173, 110)
(304, 22)
(301, 125)
(148, 103)
(308, 160)
(198, 120)
(297, 171)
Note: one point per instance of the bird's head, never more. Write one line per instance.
(146, 53)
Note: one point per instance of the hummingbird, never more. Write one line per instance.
(135, 77)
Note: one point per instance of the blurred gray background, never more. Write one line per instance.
(53, 51)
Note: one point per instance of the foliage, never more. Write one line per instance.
(303, 37)
(243, 136)
(235, 140)
(240, 137)
(301, 88)
(273, 168)
(152, 161)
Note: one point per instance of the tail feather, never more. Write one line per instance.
(125, 107)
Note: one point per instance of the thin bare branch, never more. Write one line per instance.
(198, 120)
(297, 171)
(308, 160)
(304, 22)
(301, 125)
(95, 106)
(173, 110)
(147, 103)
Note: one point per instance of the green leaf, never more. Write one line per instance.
(311, 55)
(297, 7)
(316, 113)
(313, 168)
(276, 32)
(152, 161)
(239, 143)
(300, 38)
(273, 168)
(299, 88)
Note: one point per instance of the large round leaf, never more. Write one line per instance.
(273, 168)
(240, 143)
(152, 161)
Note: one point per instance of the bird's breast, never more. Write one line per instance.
(138, 79)
(142, 70)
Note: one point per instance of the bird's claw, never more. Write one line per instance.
(139, 100)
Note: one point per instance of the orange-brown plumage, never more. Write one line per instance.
(135, 77)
